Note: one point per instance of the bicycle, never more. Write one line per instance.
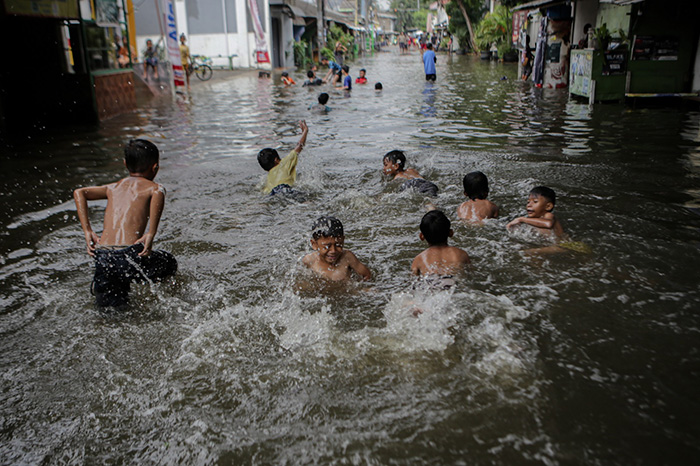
(201, 69)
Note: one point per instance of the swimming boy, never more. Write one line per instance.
(440, 259)
(321, 106)
(394, 166)
(334, 71)
(540, 204)
(287, 80)
(282, 173)
(378, 87)
(363, 78)
(329, 259)
(312, 79)
(124, 251)
(477, 208)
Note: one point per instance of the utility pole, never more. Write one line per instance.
(320, 26)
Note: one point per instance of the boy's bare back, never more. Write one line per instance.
(477, 210)
(130, 203)
(440, 260)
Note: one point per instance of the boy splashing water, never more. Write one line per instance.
(394, 166)
(282, 173)
(440, 261)
(124, 251)
(330, 260)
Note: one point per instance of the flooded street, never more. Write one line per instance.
(561, 359)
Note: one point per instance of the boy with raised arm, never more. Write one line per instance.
(540, 204)
(394, 166)
(329, 259)
(282, 173)
(124, 251)
(477, 208)
(440, 260)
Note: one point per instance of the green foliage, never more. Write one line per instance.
(301, 54)
(420, 18)
(336, 34)
(458, 26)
(404, 10)
(602, 36)
(496, 27)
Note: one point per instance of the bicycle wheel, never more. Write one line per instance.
(203, 72)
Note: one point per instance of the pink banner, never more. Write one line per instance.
(261, 54)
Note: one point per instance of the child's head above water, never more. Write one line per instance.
(346, 69)
(363, 72)
(327, 227)
(435, 228)
(268, 158)
(476, 186)
(285, 74)
(378, 87)
(310, 74)
(323, 98)
(394, 162)
(140, 155)
(540, 201)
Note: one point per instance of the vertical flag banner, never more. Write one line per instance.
(261, 54)
(173, 44)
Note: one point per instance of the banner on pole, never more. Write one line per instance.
(261, 53)
(172, 43)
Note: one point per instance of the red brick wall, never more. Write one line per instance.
(114, 94)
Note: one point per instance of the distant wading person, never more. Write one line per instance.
(429, 60)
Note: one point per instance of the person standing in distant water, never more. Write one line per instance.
(185, 57)
(150, 58)
(340, 49)
(429, 60)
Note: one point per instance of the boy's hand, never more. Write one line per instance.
(92, 240)
(512, 223)
(302, 125)
(147, 241)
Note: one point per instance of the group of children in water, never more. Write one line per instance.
(124, 253)
(439, 263)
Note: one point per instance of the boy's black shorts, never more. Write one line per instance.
(115, 269)
(430, 77)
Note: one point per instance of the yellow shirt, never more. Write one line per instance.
(184, 54)
(284, 173)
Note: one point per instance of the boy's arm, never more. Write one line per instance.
(359, 268)
(81, 196)
(415, 265)
(302, 140)
(155, 211)
(547, 221)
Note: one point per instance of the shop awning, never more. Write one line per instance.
(539, 4)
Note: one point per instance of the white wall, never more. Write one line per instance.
(585, 13)
(696, 71)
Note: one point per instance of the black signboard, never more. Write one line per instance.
(614, 63)
(553, 52)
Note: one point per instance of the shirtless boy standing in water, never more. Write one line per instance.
(440, 261)
(330, 259)
(124, 251)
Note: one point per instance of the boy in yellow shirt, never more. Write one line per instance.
(282, 173)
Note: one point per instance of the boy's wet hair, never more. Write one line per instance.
(396, 156)
(285, 74)
(545, 192)
(267, 157)
(435, 227)
(346, 68)
(364, 70)
(140, 155)
(429, 46)
(322, 98)
(327, 227)
(309, 74)
(378, 86)
(476, 185)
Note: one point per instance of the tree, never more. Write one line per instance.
(461, 13)
(404, 14)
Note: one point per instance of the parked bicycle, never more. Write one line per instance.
(200, 67)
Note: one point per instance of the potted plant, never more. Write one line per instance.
(496, 28)
(602, 37)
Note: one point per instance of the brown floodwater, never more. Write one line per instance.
(570, 358)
